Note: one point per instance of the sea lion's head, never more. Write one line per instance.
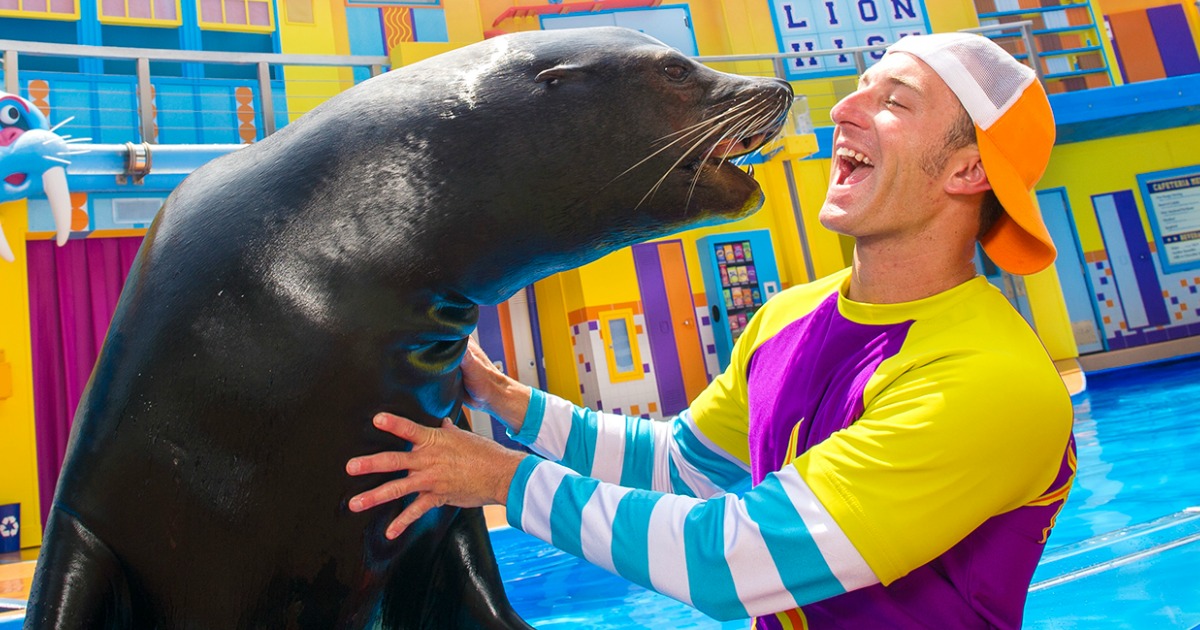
(607, 123)
(532, 153)
(652, 128)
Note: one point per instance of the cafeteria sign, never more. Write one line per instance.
(1173, 204)
(810, 25)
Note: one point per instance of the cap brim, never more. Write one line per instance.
(1019, 242)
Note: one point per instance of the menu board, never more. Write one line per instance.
(1173, 204)
(740, 288)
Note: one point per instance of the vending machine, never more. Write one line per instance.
(739, 276)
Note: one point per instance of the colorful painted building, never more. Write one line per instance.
(640, 331)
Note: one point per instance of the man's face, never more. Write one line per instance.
(886, 174)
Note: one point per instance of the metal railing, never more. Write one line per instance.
(263, 87)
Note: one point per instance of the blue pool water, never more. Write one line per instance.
(1124, 554)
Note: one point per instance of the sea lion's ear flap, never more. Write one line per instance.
(551, 76)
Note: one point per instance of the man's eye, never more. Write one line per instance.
(891, 102)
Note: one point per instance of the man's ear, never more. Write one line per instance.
(969, 178)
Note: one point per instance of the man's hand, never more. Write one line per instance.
(446, 466)
(491, 391)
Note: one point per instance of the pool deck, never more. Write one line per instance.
(16, 574)
(1141, 354)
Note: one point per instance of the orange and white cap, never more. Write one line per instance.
(1014, 126)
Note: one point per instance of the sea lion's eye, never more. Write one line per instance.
(676, 72)
(9, 114)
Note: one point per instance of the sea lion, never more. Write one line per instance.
(290, 290)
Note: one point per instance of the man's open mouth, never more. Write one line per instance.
(851, 167)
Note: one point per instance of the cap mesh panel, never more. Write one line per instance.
(992, 72)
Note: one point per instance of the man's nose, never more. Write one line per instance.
(848, 110)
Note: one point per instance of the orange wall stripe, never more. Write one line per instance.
(1141, 61)
(679, 302)
(397, 26)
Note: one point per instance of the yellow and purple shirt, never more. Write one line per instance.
(857, 465)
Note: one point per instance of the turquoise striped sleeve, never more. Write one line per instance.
(634, 452)
(771, 550)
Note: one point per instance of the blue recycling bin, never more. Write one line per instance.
(10, 527)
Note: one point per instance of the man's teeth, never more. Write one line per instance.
(851, 155)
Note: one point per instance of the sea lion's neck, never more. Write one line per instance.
(487, 264)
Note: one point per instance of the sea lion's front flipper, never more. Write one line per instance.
(79, 583)
(464, 589)
(469, 592)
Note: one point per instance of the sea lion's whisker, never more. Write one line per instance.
(691, 131)
(736, 129)
(682, 157)
(744, 119)
(733, 129)
(732, 111)
(694, 129)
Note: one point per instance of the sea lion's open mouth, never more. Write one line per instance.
(727, 149)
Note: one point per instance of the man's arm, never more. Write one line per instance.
(672, 456)
(772, 549)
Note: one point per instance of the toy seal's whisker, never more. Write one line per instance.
(62, 122)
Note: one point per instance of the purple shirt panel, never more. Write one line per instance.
(981, 582)
(814, 370)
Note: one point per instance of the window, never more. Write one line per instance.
(140, 12)
(42, 9)
(619, 336)
(299, 11)
(237, 15)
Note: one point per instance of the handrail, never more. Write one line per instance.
(197, 56)
(143, 56)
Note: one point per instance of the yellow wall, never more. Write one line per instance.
(553, 306)
(18, 445)
(951, 15)
(327, 34)
(1088, 168)
(1050, 316)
